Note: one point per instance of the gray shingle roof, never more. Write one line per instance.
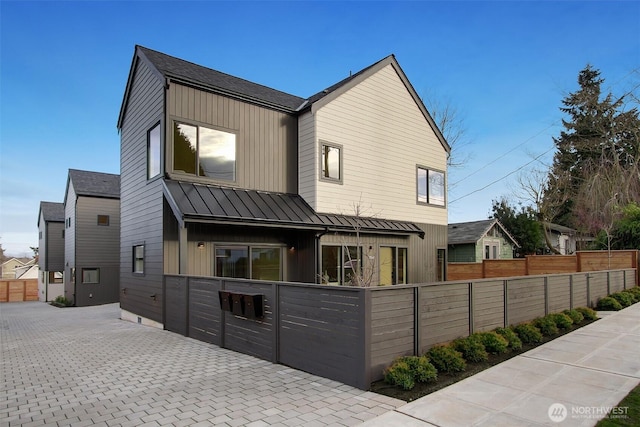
(197, 202)
(97, 184)
(470, 232)
(52, 211)
(180, 69)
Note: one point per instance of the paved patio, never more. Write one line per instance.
(85, 366)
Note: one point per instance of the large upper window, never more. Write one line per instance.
(153, 152)
(248, 262)
(331, 162)
(431, 188)
(203, 151)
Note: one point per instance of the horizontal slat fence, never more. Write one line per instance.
(351, 334)
(533, 265)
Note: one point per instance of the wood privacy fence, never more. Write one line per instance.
(543, 264)
(351, 334)
(14, 290)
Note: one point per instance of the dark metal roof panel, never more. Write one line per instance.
(199, 202)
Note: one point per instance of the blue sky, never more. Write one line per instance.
(504, 65)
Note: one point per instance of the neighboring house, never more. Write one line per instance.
(225, 177)
(50, 250)
(30, 271)
(9, 268)
(479, 240)
(92, 238)
(562, 238)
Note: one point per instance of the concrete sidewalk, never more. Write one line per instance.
(84, 366)
(567, 382)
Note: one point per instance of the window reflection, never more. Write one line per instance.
(203, 151)
(330, 162)
(217, 154)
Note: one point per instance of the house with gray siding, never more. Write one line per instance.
(476, 241)
(225, 177)
(92, 238)
(50, 250)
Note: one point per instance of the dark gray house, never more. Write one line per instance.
(475, 241)
(50, 250)
(92, 238)
(225, 177)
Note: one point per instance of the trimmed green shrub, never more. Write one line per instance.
(399, 374)
(406, 370)
(575, 315)
(624, 298)
(609, 304)
(561, 320)
(446, 359)
(423, 370)
(511, 337)
(635, 291)
(493, 342)
(546, 325)
(61, 301)
(471, 348)
(635, 296)
(588, 313)
(528, 333)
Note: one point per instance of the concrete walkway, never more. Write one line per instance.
(570, 381)
(84, 366)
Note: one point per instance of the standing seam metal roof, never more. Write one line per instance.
(200, 202)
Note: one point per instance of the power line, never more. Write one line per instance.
(505, 154)
(503, 177)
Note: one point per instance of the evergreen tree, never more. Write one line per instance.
(522, 224)
(595, 168)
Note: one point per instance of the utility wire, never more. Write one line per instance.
(505, 154)
(503, 177)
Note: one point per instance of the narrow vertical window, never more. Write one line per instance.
(138, 259)
(153, 152)
(331, 162)
(185, 148)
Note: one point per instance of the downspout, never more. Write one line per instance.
(318, 253)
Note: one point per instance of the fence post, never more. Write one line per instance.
(417, 322)
(588, 290)
(364, 380)
(275, 312)
(571, 292)
(223, 318)
(505, 294)
(470, 293)
(546, 295)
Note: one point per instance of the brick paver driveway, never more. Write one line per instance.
(85, 366)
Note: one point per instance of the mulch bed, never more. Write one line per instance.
(444, 379)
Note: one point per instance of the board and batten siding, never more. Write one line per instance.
(97, 246)
(69, 242)
(141, 200)
(266, 140)
(384, 137)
